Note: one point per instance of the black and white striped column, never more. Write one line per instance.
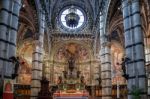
(9, 15)
(37, 59)
(134, 47)
(105, 63)
(47, 69)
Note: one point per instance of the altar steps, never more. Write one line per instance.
(71, 98)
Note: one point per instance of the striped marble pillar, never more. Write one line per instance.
(105, 62)
(134, 47)
(9, 14)
(51, 72)
(148, 89)
(47, 69)
(37, 59)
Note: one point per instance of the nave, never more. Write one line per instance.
(74, 49)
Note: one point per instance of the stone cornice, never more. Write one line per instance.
(80, 63)
(63, 35)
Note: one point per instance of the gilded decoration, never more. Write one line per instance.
(79, 53)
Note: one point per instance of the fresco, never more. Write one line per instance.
(25, 55)
(117, 55)
(24, 79)
(63, 54)
(24, 72)
(78, 51)
(60, 55)
(83, 54)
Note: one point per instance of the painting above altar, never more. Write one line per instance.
(80, 52)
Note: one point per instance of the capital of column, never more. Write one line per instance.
(37, 43)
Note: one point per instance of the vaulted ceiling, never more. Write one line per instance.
(28, 23)
(91, 8)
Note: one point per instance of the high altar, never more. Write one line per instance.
(71, 85)
(71, 89)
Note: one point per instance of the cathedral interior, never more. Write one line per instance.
(75, 49)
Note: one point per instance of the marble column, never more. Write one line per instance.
(105, 62)
(9, 15)
(37, 59)
(148, 83)
(134, 47)
(51, 71)
(47, 69)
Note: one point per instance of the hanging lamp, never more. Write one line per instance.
(72, 18)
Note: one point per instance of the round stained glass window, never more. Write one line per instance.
(77, 12)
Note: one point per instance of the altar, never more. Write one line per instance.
(71, 95)
(71, 98)
(71, 85)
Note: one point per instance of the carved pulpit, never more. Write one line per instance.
(44, 92)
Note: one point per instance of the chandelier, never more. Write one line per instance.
(72, 18)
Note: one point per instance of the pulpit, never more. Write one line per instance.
(44, 92)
